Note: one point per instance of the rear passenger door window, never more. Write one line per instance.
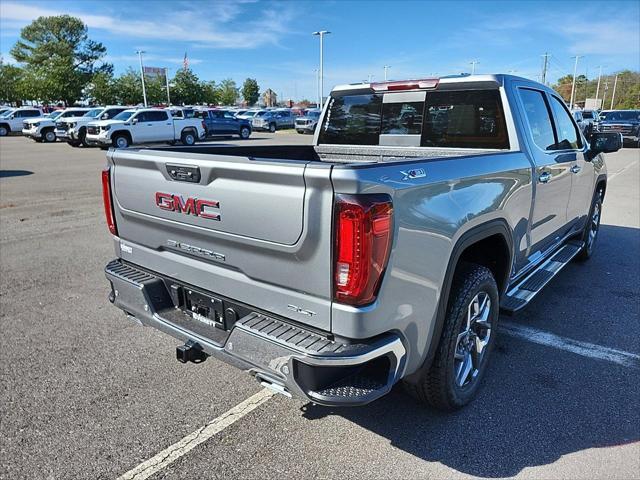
(566, 129)
(539, 117)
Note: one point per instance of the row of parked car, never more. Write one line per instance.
(626, 122)
(122, 126)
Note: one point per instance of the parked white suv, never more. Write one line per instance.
(73, 130)
(43, 128)
(11, 121)
(145, 125)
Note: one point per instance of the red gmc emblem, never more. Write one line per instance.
(191, 206)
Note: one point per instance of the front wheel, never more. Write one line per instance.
(188, 138)
(4, 131)
(272, 127)
(49, 136)
(245, 132)
(591, 229)
(468, 337)
(121, 141)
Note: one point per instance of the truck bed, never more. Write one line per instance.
(328, 153)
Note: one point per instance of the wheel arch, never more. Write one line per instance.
(471, 246)
(6, 125)
(126, 133)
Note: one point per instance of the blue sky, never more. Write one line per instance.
(272, 41)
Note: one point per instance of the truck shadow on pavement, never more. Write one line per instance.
(537, 403)
(14, 173)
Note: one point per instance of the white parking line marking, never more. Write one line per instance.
(585, 349)
(611, 177)
(188, 443)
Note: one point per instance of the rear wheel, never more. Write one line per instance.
(82, 137)
(591, 229)
(49, 136)
(188, 138)
(468, 337)
(272, 127)
(245, 132)
(121, 141)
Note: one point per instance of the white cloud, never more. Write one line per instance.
(188, 25)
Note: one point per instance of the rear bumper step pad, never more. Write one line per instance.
(301, 362)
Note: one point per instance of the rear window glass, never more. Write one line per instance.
(457, 119)
(352, 120)
(402, 118)
(464, 119)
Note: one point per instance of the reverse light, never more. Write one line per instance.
(363, 231)
(108, 201)
(405, 85)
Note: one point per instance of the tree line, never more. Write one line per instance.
(627, 89)
(59, 63)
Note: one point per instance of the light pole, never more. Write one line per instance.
(473, 66)
(573, 84)
(598, 87)
(144, 91)
(386, 68)
(166, 79)
(316, 73)
(321, 34)
(613, 95)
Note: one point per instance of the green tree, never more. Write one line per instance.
(250, 91)
(187, 88)
(210, 93)
(228, 92)
(627, 89)
(11, 83)
(128, 88)
(57, 52)
(102, 89)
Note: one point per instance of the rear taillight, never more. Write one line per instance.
(108, 202)
(363, 233)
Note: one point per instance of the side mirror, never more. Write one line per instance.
(134, 121)
(12, 117)
(105, 116)
(605, 142)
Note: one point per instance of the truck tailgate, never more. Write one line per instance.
(258, 229)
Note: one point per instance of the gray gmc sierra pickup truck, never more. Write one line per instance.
(382, 252)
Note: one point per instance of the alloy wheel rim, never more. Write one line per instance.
(122, 142)
(189, 140)
(472, 341)
(50, 136)
(3, 131)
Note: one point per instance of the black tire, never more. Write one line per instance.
(4, 130)
(102, 147)
(120, 140)
(73, 143)
(272, 127)
(438, 385)
(82, 137)
(49, 136)
(188, 138)
(245, 133)
(592, 227)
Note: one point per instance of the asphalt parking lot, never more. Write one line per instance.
(85, 393)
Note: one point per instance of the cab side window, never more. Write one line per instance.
(539, 117)
(568, 136)
(156, 116)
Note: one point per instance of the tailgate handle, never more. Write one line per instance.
(184, 173)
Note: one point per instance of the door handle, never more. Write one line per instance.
(544, 177)
(576, 169)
